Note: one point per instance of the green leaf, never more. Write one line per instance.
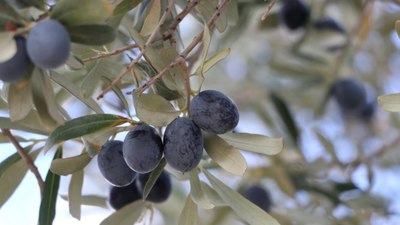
(197, 193)
(189, 214)
(152, 18)
(19, 100)
(154, 109)
(398, 27)
(246, 210)
(70, 165)
(91, 200)
(118, 93)
(92, 34)
(12, 172)
(8, 46)
(212, 195)
(120, 10)
(77, 12)
(225, 154)
(8, 13)
(74, 90)
(128, 215)
(204, 51)
(6, 123)
(206, 9)
(390, 102)
(214, 59)
(40, 4)
(286, 116)
(75, 194)
(153, 178)
(254, 143)
(82, 126)
(47, 210)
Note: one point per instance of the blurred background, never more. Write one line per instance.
(339, 166)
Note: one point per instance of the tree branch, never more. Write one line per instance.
(108, 54)
(25, 157)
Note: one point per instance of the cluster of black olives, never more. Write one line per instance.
(47, 47)
(121, 163)
(351, 96)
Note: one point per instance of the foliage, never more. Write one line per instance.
(132, 62)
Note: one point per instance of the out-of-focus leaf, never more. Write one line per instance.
(232, 12)
(75, 193)
(44, 100)
(74, 90)
(153, 178)
(254, 143)
(398, 28)
(8, 124)
(189, 214)
(328, 145)
(390, 102)
(92, 34)
(91, 200)
(12, 172)
(40, 4)
(8, 46)
(82, 126)
(286, 116)
(154, 109)
(8, 13)
(197, 193)
(152, 18)
(128, 215)
(118, 93)
(242, 207)
(77, 12)
(212, 195)
(47, 210)
(19, 100)
(225, 154)
(206, 10)
(70, 165)
(120, 10)
(279, 173)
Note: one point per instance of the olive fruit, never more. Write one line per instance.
(122, 196)
(112, 164)
(214, 112)
(17, 66)
(258, 196)
(350, 94)
(160, 190)
(142, 149)
(48, 44)
(294, 14)
(183, 144)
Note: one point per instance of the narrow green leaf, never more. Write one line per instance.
(19, 100)
(75, 194)
(8, 46)
(286, 116)
(390, 102)
(206, 9)
(70, 165)
(6, 123)
(212, 195)
(82, 126)
(398, 28)
(91, 200)
(153, 178)
(246, 210)
(254, 143)
(74, 90)
(77, 12)
(189, 214)
(152, 17)
(154, 109)
(47, 210)
(225, 154)
(128, 215)
(12, 172)
(92, 34)
(213, 60)
(118, 93)
(197, 193)
(120, 10)
(204, 51)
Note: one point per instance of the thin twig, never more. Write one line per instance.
(187, 50)
(143, 50)
(268, 10)
(25, 157)
(108, 54)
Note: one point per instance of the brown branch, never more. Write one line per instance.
(268, 10)
(25, 157)
(142, 52)
(108, 54)
(187, 50)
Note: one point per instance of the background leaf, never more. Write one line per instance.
(224, 154)
(197, 193)
(153, 178)
(47, 210)
(254, 143)
(242, 207)
(154, 109)
(390, 102)
(19, 100)
(92, 34)
(70, 165)
(8, 46)
(127, 215)
(189, 214)
(75, 194)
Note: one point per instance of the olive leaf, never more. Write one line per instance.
(127, 215)
(390, 102)
(8, 46)
(189, 214)
(70, 165)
